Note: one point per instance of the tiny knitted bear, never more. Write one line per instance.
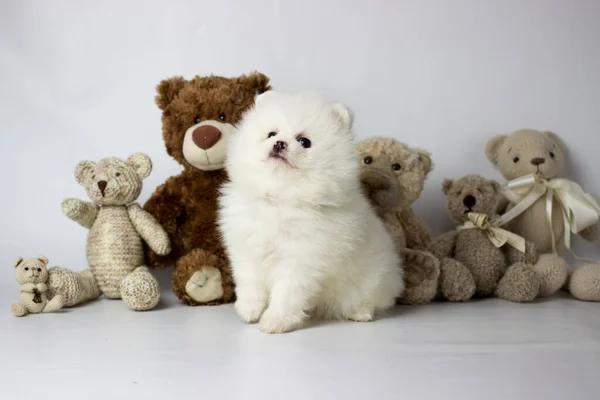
(117, 227)
(32, 275)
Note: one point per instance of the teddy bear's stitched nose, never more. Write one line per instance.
(206, 136)
(538, 161)
(469, 201)
(102, 185)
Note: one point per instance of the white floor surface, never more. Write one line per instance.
(489, 349)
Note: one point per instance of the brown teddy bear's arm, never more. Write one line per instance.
(590, 234)
(82, 212)
(443, 245)
(417, 234)
(149, 229)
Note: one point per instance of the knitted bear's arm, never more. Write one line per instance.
(149, 229)
(443, 245)
(82, 212)
(417, 234)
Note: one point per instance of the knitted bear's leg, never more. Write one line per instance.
(140, 290)
(74, 287)
(584, 282)
(520, 283)
(202, 278)
(18, 309)
(55, 304)
(553, 271)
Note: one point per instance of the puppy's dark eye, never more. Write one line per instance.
(396, 167)
(118, 174)
(516, 160)
(271, 134)
(304, 142)
(197, 120)
(26, 268)
(222, 117)
(368, 160)
(552, 155)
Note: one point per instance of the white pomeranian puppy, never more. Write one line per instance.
(301, 238)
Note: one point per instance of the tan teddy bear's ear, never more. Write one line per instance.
(141, 163)
(259, 82)
(447, 185)
(167, 89)
(558, 141)
(82, 170)
(493, 147)
(43, 260)
(495, 186)
(18, 261)
(425, 157)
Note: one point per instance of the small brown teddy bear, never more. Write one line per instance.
(32, 275)
(392, 177)
(526, 152)
(471, 264)
(199, 116)
(118, 227)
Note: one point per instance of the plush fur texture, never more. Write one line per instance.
(302, 238)
(471, 264)
(524, 152)
(186, 204)
(118, 227)
(393, 175)
(32, 276)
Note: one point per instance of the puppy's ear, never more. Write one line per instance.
(492, 148)
(141, 163)
(82, 170)
(264, 96)
(43, 260)
(425, 158)
(18, 261)
(167, 90)
(557, 140)
(257, 81)
(447, 185)
(344, 114)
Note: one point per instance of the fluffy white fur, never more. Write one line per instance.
(301, 238)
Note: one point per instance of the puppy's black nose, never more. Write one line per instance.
(538, 161)
(102, 186)
(279, 146)
(469, 201)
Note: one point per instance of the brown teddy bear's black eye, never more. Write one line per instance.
(271, 134)
(197, 120)
(26, 268)
(368, 160)
(222, 117)
(516, 160)
(118, 174)
(552, 155)
(396, 167)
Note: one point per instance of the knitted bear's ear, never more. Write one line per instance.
(83, 169)
(43, 260)
(18, 261)
(167, 90)
(493, 147)
(141, 164)
(447, 185)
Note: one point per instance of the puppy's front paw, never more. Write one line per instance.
(275, 323)
(250, 311)
(362, 315)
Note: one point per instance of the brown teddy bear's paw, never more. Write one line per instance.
(585, 282)
(553, 272)
(456, 281)
(520, 284)
(421, 275)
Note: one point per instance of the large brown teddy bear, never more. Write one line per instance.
(198, 118)
(392, 176)
(526, 152)
(471, 263)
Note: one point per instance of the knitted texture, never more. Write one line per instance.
(117, 228)
(529, 151)
(32, 275)
(74, 287)
(491, 274)
(392, 177)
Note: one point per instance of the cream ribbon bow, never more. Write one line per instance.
(497, 236)
(579, 209)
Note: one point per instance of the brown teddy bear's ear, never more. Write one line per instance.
(425, 157)
(18, 261)
(493, 147)
(167, 90)
(43, 260)
(558, 141)
(141, 164)
(259, 82)
(82, 170)
(447, 185)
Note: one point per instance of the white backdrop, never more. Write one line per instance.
(78, 82)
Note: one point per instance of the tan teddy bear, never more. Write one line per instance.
(526, 152)
(392, 176)
(117, 228)
(473, 262)
(32, 275)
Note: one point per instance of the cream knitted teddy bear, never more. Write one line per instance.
(32, 276)
(117, 227)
